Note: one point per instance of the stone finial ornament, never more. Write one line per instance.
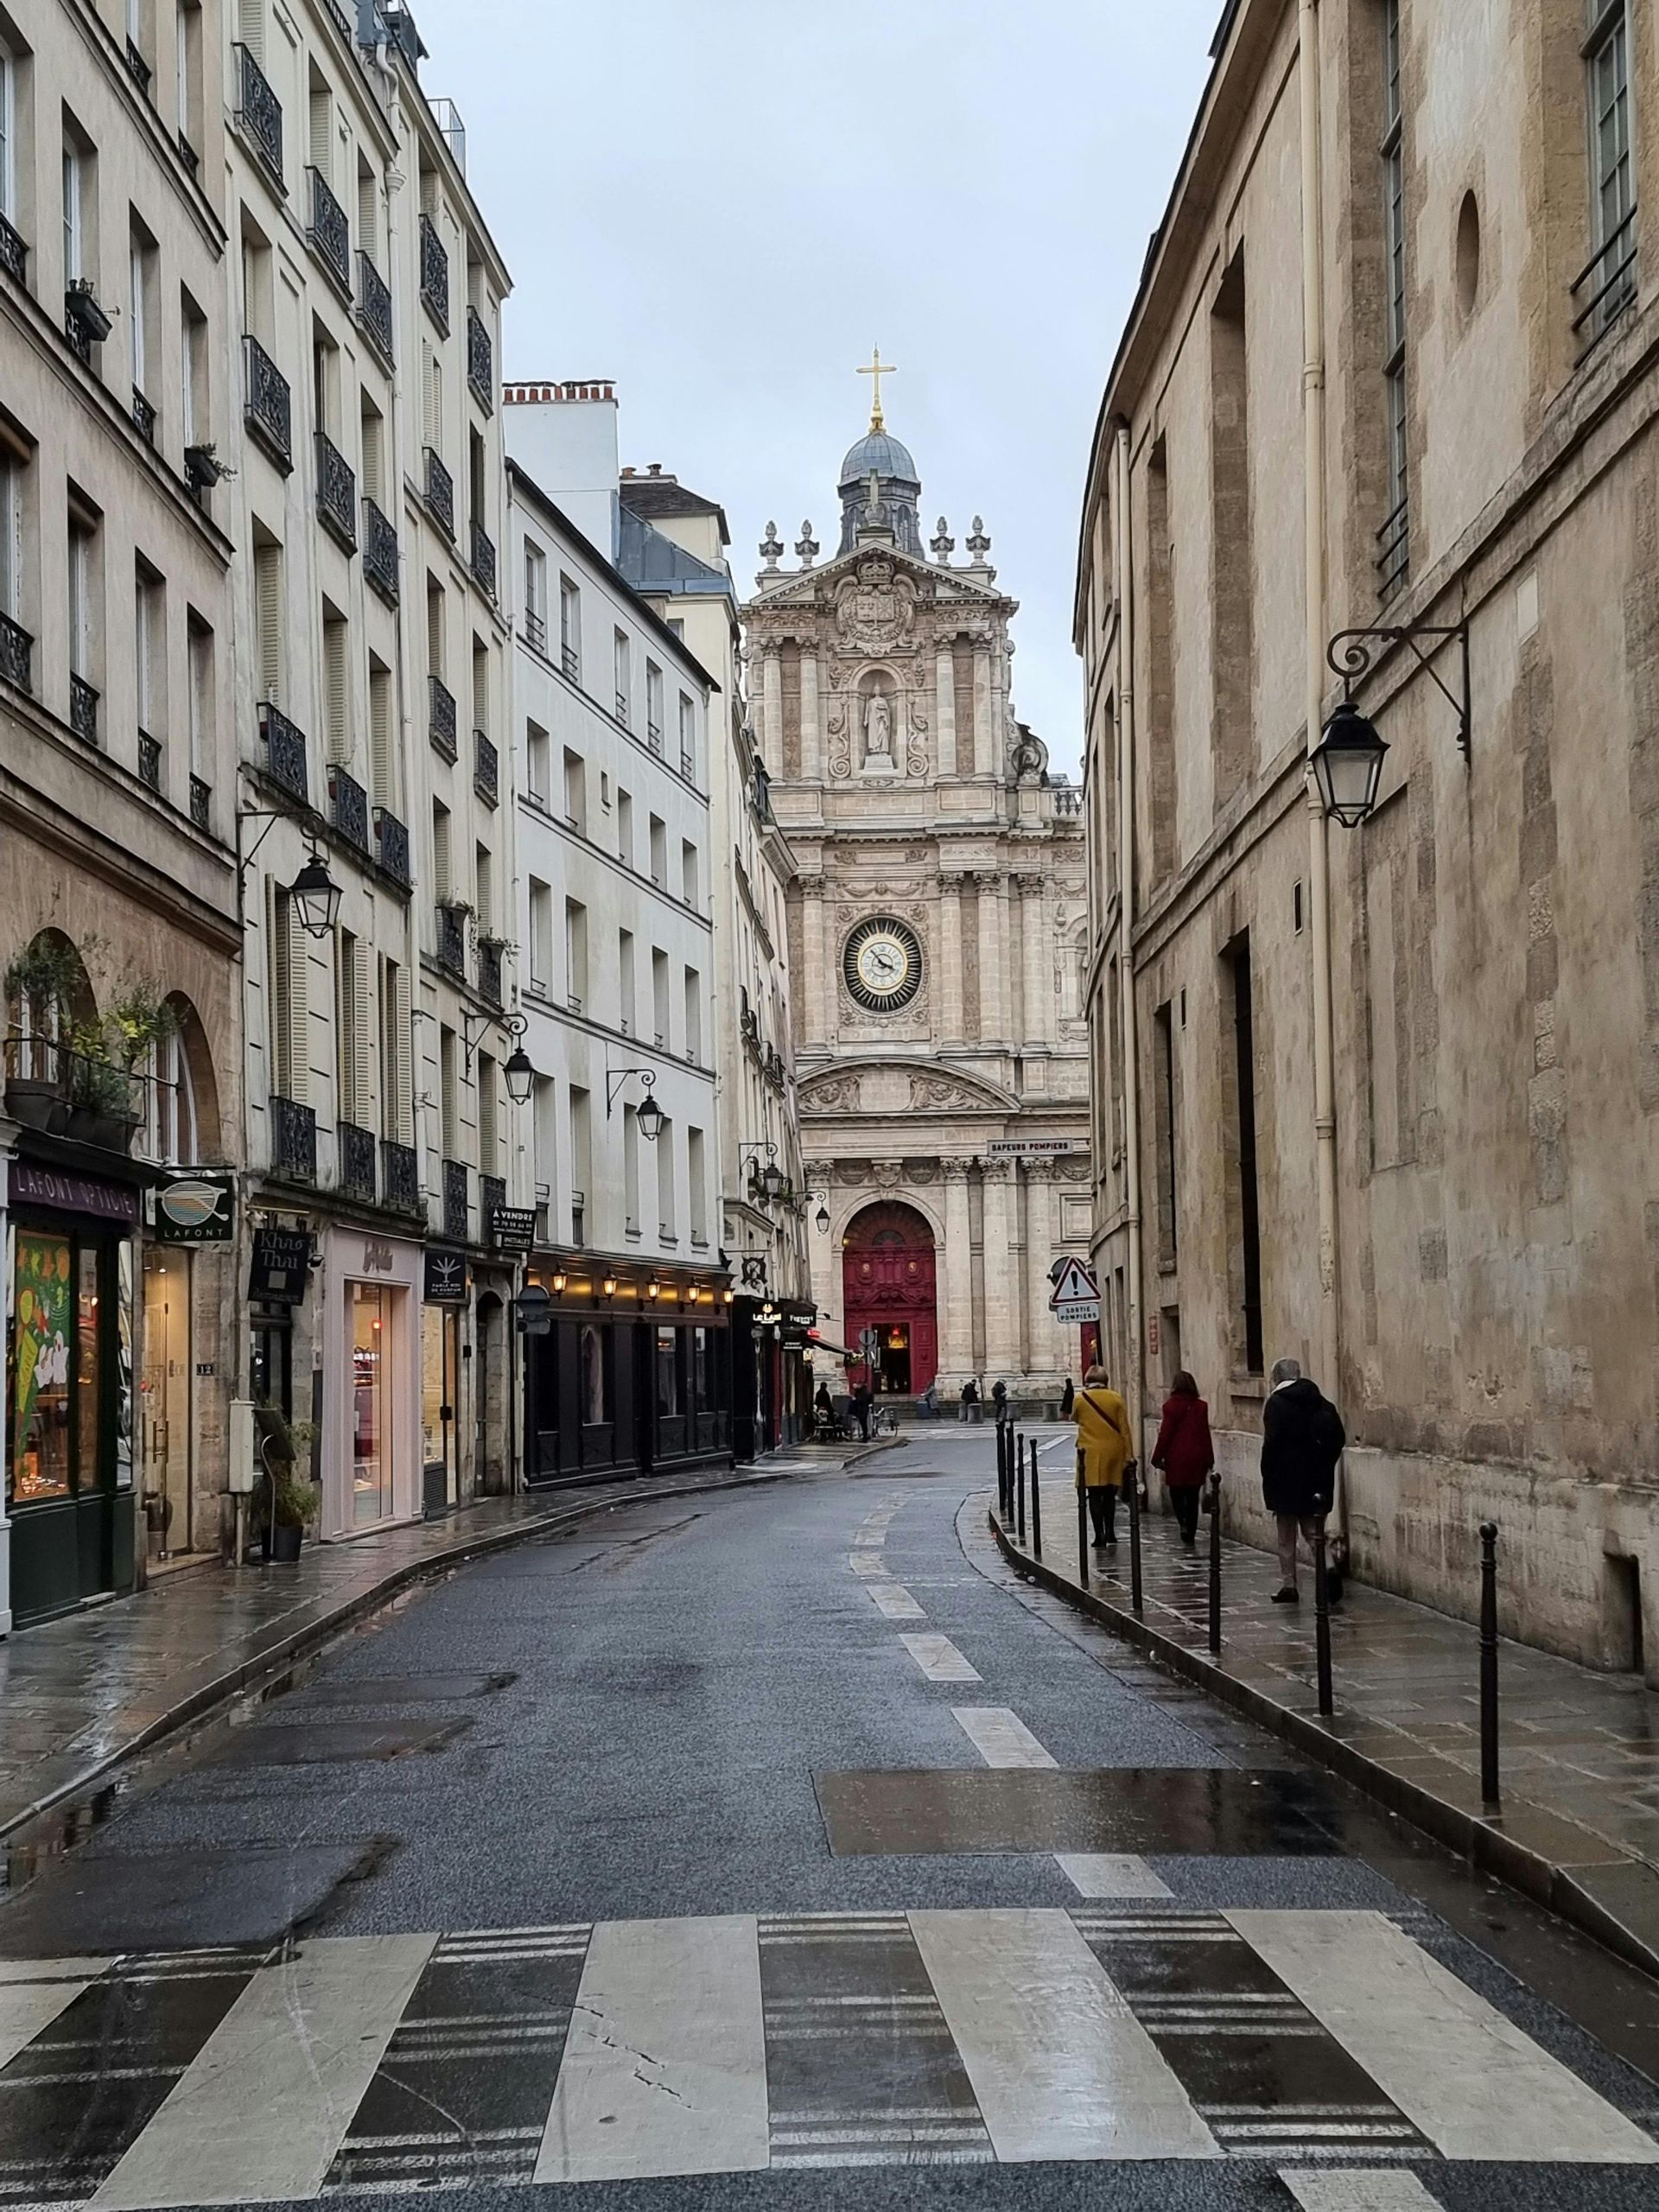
(943, 545)
(978, 544)
(806, 546)
(772, 548)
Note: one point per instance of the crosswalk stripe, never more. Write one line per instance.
(939, 1659)
(1000, 1736)
(291, 2060)
(895, 1601)
(868, 1565)
(33, 1992)
(664, 2067)
(1393, 2190)
(1475, 2085)
(1108, 1874)
(1060, 2067)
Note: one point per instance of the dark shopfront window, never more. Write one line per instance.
(271, 1361)
(668, 1373)
(592, 1352)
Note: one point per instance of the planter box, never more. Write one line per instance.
(38, 1102)
(285, 1545)
(93, 1125)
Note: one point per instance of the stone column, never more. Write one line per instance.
(1033, 939)
(812, 738)
(956, 1277)
(819, 983)
(1042, 1336)
(992, 926)
(771, 703)
(948, 1025)
(827, 1288)
(944, 683)
(1001, 1276)
(984, 738)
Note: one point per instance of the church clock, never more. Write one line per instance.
(882, 963)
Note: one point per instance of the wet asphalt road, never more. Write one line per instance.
(703, 1710)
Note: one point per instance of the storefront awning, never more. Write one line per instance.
(815, 1342)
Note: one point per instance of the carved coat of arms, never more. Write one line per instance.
(876, 606)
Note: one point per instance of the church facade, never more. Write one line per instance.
(937, 933)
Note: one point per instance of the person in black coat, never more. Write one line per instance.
(1302, 1440)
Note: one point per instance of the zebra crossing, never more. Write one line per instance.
(634, 2049)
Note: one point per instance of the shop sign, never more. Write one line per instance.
(512, 1229)
(44, 1186)
(282, 1266)
(799, 1321)
(1030, 1149)
(195, 1209)
(446, 1277)
(378, 1257)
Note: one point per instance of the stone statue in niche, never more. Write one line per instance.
(878, 733)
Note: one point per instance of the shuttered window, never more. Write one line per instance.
(268, 614)
(337, 677)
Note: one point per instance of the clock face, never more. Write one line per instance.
(883, 964)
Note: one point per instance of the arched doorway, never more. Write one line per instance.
(889, 1283)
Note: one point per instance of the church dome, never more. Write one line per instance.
(898, 487)
(877, 450)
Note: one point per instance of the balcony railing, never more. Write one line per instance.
(452, 940)
(491, 1194)
(441, 724)
(14, 253)
(392, 837)
(149, 761)
(144, 416)
(259, 114)
(487, 769)
(293, 1141)
(400, 1175)
(85, 324)
(1393, 561)
(138, 67)
(688, 764)
(481, 361)
(454, 1201)
(349, 804)
(1604, 288)
(201, 803)
(285, 751)
(654, 738)
(83, 708)
(330, 233)
(570, 661)
(16, 651)
(484, 559)
(1068, 799)
(489, 970)
(336, 492)
(536, 629)
(187, 154)
(434, 275)
(268, 405)
(440, 493)
(380, 553)
(374, 309)
(354, 1152)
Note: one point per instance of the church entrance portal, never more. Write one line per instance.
(889, 1282)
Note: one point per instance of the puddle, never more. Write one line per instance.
(42, 1843)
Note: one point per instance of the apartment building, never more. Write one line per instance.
(611, 718)
(1375, 1088)
(119, 930)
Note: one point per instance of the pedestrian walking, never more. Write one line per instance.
(970, 1407)
(1302, 1440)
(862, 1409)
(1185, 1452)
(1000, 1400)
(1068, 1398)
(1105, 1451)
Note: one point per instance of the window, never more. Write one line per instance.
(659, 852)
(80, 597)
(689, 882)
(624, 827)
(75, 196)
(436, 627)
(397, 1074)
(368, 211)
(582, 1161)
(654, 706)
(693, 1015)
(198, 417)
(268, 618)
(1164, 1134)
(12, 534)
(432, 398)
(350, 1040)
(489, 1099)
(1394, 540)
(1608, 286)
(627, 985)
(480, 687)
(667, 1216)
(140, 265)
(541, 936)
(382, 772)
(570, 629)
(7, 137)
(576, 953)
(538, 752)
(337, 684)
(484, 888)
(187, 66)
(149, 649)
(287, 980)
(698, 1185)
(595, 1397)
(659, 996)
(449, 1093)
(371, 450)
(544, 1147)
(687, 737)
(535, 596)
(575, 791)
(199, 702)
(1245, 1225)
(624, 676)
(174, 1130)
(443, 865)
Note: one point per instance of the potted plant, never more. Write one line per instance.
(39, 984)
(293, 1506)
(104, 1099)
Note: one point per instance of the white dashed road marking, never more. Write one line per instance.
(939, 1659)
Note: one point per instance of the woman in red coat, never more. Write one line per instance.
(1184, 1452)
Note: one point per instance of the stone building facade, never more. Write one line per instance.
(1383, 1099)
(937, 935)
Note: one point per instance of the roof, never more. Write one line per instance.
(653, 563)
(876, 450)
(660, 494)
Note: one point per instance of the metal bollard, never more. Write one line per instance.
(1001, 1479)
(1215, 1565)
(1019, 1482)
(1322, 1622)
(1134, 1538)
(1489, 1791)
(1036, 1508)
(1083, 1537)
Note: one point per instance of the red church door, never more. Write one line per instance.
(889, 1284)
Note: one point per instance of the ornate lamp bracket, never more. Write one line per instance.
(1353, 654)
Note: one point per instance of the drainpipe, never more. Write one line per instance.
(1313, 420)
(1125, 924)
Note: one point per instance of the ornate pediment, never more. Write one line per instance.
(878, 1088)
(824, 587)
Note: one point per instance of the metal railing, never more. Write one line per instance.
(293, 1140)
(392, 840)
(491, 1194)
(149, 761)
(201, 803)
(374, 315)
(654, 738)
(1612, 270)
(138, 68)
(268, 405)
(1393, 561)
(536, 629)
(440, 493)
(454, 1201)
(400, 1172)
(484, 559)
(442, 725)
(144, 416)
(380, 553)
(14, 252)
(570, 661)
(336, 492)
(330, 233)
(487, 769)
(481, 361)
(259, 113)
(489, 970)
(434, 275)
(452, 939)
(349, 804)
(83, 708)
(17, 653)
(354, 1155)
(285, 751)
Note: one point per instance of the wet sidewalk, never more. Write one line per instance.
(81, 1694)
(1578, 1824)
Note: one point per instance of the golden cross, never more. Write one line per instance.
(878, 369)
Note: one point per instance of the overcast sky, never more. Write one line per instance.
(723, 204)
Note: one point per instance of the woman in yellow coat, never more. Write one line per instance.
(1105, 1451)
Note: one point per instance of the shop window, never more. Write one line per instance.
(371, 1445)
(668, 1373)
(43, 1335)
(270, 1363)
(702, 1372)
(595, 1395)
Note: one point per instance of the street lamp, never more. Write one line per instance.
(1347, 763)
(519, 1075)
(648, 1115)
(823, 1221)
(1348, 766)
(317, 896)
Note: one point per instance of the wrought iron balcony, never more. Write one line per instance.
(83, 708)
(536, 629)
(330, 233)
(149, 760)
(491, 1194)
(489, 970)
(570, 661)
(452, 939)
(440, 493)
(374, 309)
(487, 769)
(440, 723)
(138, 67)
(392, 836)
(379, 553)
(688, 764)
(400, 1174)
(481, 361)
(293, 1141)
(201, 803)
(188, 154)
(484, 559)
(434, 275)
(454, 1201)
(144, 416)
(654, 738)
(17, 651)
(268, 405)
(14, 254)
(336, 492)
(85, 323)
(285, 751)
(349, 803)
(355, 1159)
(259, 114)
